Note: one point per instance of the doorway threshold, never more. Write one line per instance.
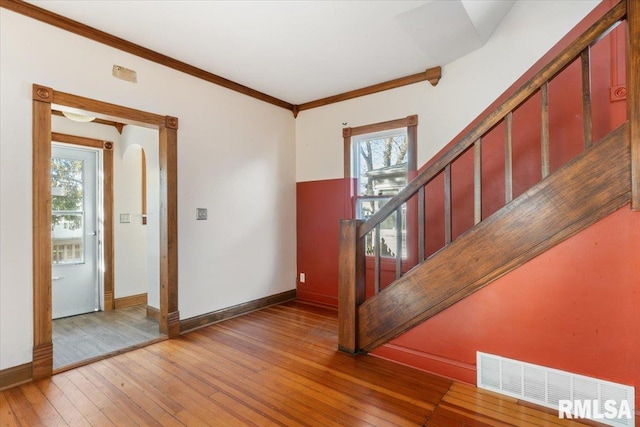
(86, 338)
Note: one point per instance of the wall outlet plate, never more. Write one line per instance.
(125, 218)
(201, 214)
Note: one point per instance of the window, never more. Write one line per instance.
(67, 215)
(380, 158)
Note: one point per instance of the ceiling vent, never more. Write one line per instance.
(570, 394)
(122, 73)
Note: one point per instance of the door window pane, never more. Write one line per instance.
(67, 185)
(67, 211)
(67, 238)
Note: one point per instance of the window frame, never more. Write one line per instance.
(387, 264)
(348, 134)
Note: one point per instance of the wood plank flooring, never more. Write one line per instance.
(91, 335)
(274, 367)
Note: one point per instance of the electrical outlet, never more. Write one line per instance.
(302, 277)
(201, 214)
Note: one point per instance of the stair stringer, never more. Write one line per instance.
(585, 190)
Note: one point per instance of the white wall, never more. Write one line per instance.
(467, 87)
(130, 238)
(137, 246)
(236, 157)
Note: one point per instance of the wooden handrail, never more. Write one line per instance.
(394, 309)
(586, 39)
(589, 187)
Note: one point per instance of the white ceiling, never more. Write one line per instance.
(298, 50)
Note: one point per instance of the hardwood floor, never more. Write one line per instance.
(91, 335)
(274, 367)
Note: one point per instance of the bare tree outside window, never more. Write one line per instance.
(380, 154)
(381, 165)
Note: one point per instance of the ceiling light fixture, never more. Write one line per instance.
(78, 117)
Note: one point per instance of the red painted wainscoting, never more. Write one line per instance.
(575, 308)
(320, 206)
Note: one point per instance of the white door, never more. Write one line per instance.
(74, 230)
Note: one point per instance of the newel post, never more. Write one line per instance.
(351, 284)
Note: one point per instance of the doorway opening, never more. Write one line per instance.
(46, 220)
(83, 193)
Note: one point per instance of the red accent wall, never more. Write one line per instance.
(575, 308)
(320, 206)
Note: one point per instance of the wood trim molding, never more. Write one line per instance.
(168, 157)
(173, 324)
(168, 138)
(118, 126)
(109, 300)
(141, 118)
(15, 375)
(234, 311)
(451, 368)
(382, 126)
(42, 93)
(108, 275)
(153, 313)
(41, 196)
(42, 360)
(432, 75)
(77, 140)
(130, 301)
(171, 122)
(94, 34)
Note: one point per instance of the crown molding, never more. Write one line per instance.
(19, 6)
(432, 75)
(91, 33)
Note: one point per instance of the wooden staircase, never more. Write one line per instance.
(598, 181)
